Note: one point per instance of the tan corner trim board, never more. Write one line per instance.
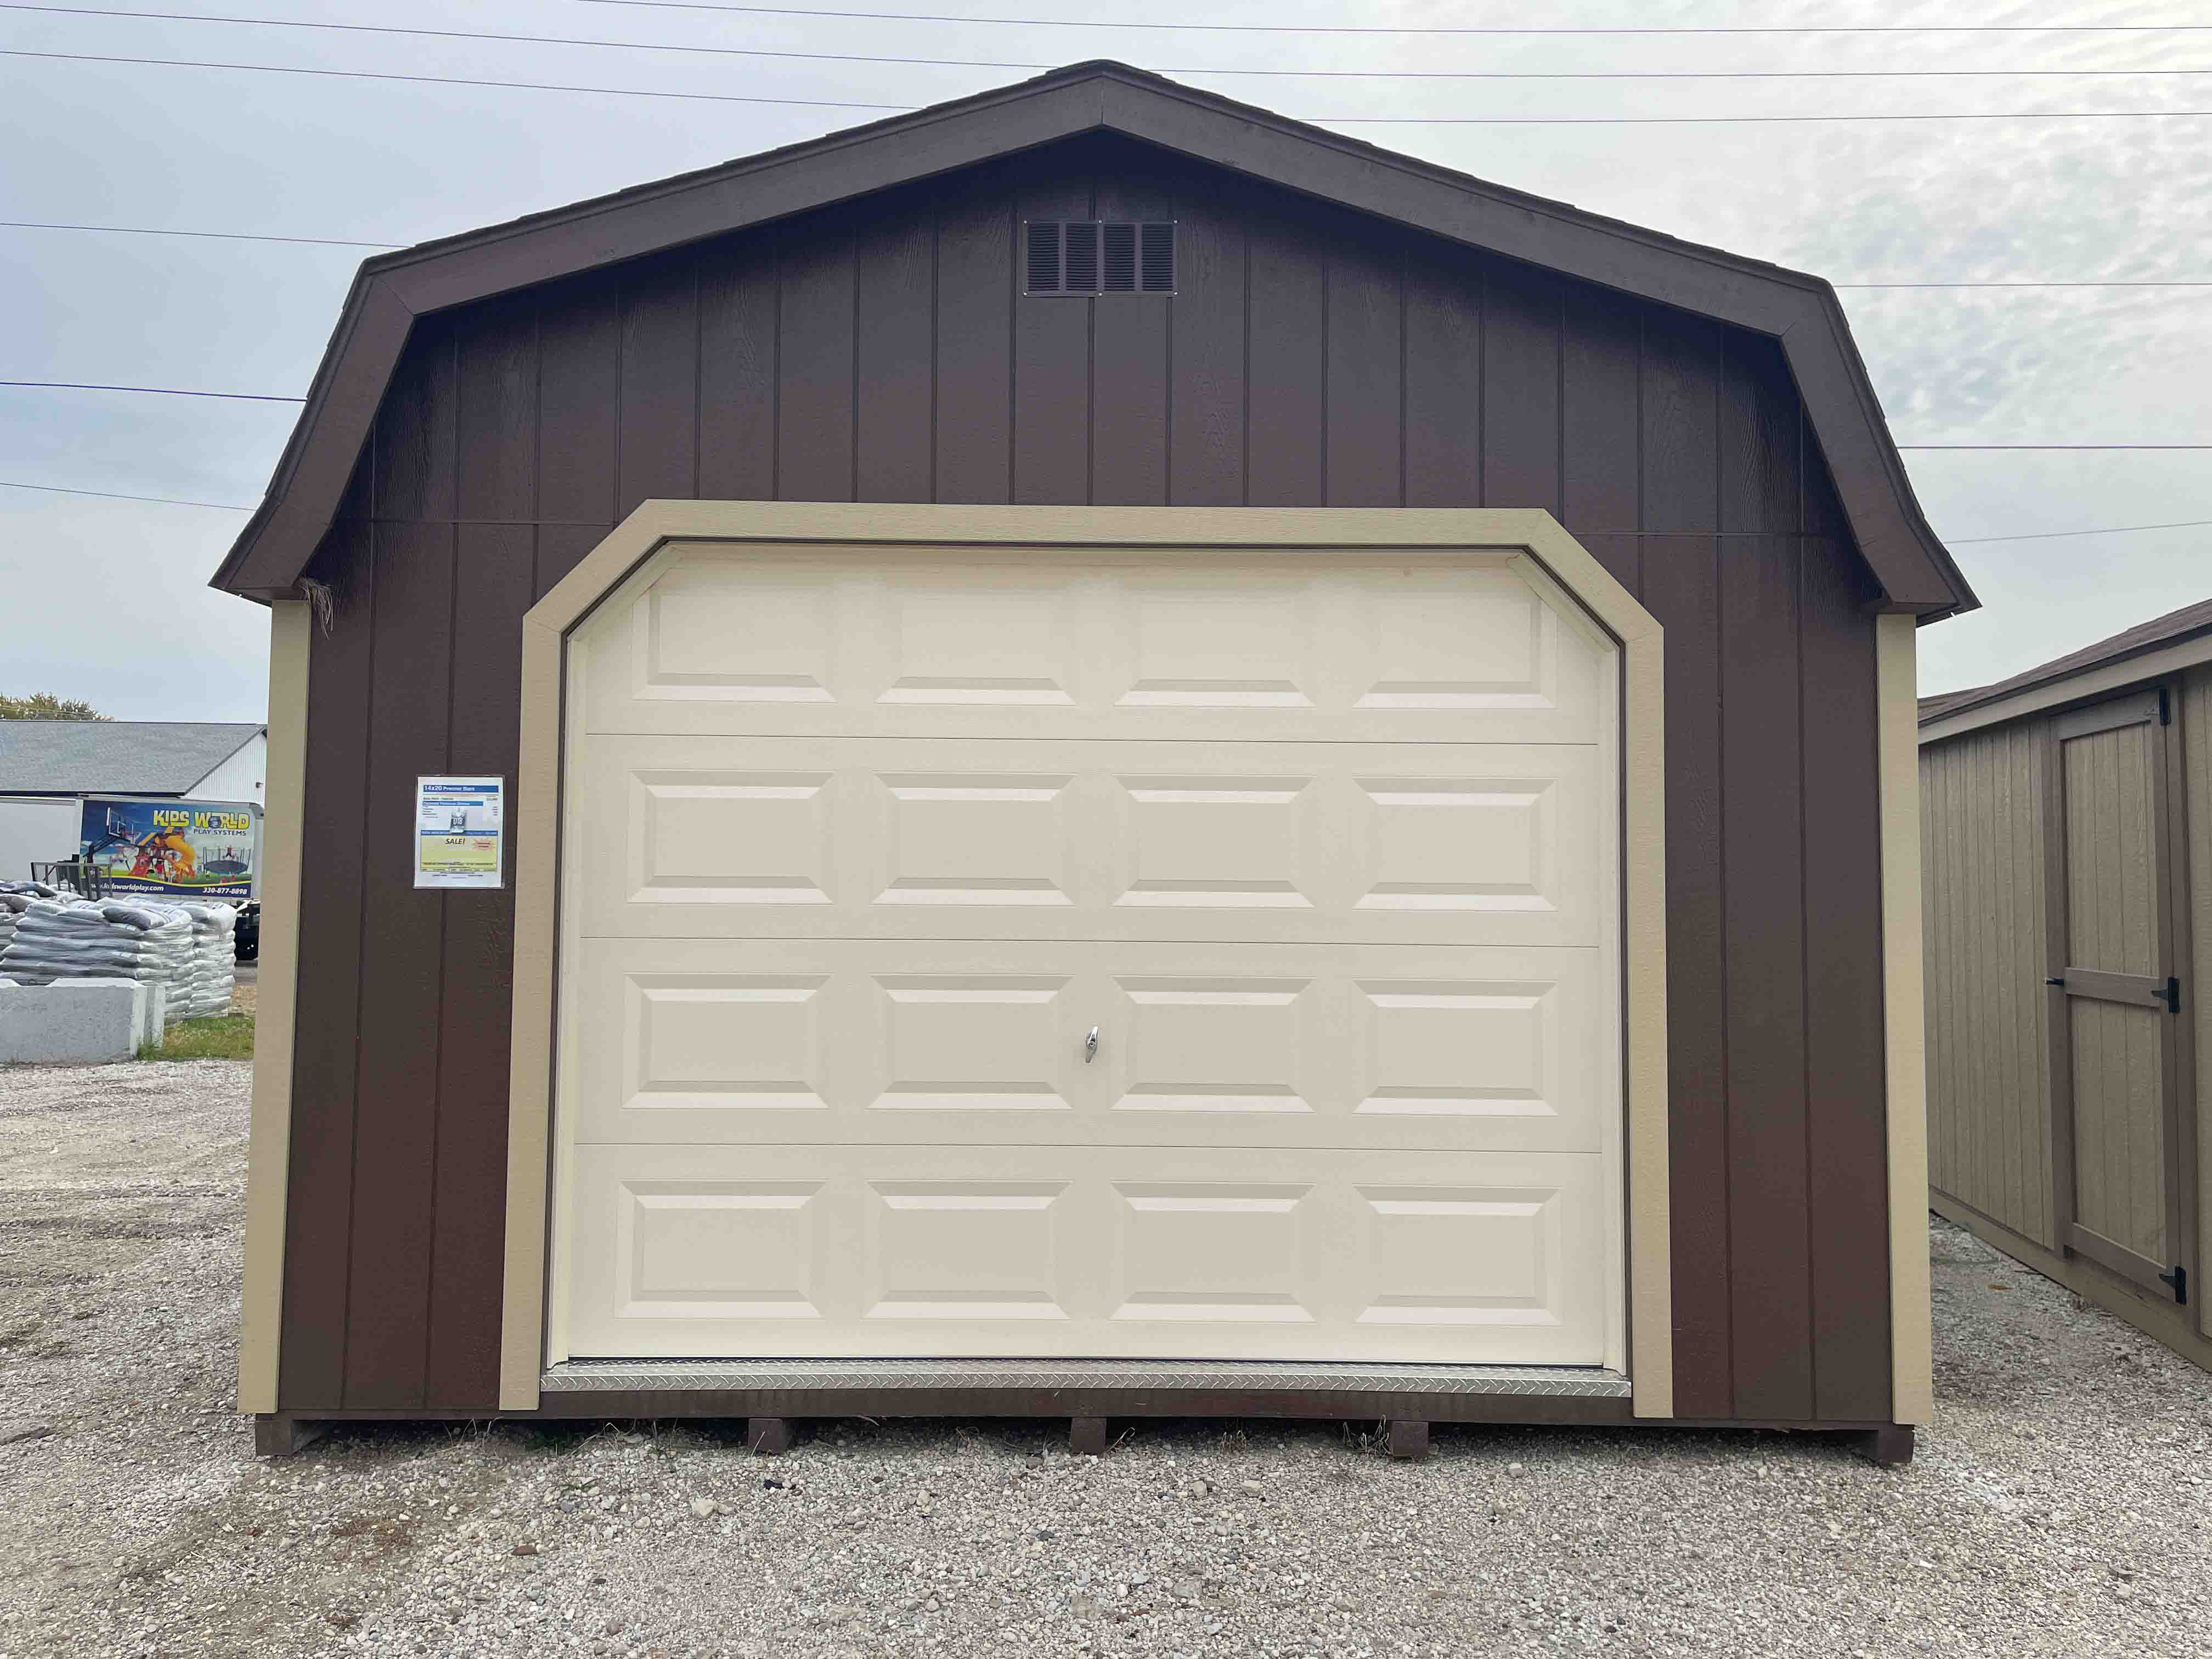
(536, 821)
(535, 825)
(1905, 1021)
(268, 1161)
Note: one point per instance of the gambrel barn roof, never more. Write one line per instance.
(1914, 572)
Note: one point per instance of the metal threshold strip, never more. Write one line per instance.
(628, 1376)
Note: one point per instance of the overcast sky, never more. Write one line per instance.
(106, 600)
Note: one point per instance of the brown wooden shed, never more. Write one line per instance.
(1159, 763)
(2068, 815)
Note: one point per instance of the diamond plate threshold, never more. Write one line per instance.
(617, 1376)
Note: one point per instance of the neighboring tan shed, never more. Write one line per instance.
(1160, 762)
(2067, 852)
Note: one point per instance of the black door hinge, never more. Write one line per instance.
(2177, 1280)
(2172, 994)
(2164, 707)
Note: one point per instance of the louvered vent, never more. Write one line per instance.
(1079, 273)
(1120, 258)
(1044, 257)
(1158, 268)
(1098, 255)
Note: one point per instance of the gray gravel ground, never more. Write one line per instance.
(2058, 1506)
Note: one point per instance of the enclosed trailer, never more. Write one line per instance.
(2068, 856)
(1158, 762)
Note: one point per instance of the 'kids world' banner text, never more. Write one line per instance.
(183, 849)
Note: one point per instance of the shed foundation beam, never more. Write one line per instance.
(1086, 1436)
(280, 1434)
(1407, 1441)
(1886, 1447)
(768, 1437)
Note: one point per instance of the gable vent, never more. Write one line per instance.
(1098, 255)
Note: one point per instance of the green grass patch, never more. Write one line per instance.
(230, 1037)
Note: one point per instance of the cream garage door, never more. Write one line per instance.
(863, 847)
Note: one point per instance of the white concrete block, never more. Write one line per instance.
(147, 1010)
(73, 1021)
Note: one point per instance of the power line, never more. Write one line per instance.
(2060, 535)
(1337, 120)
(273, 398)
(217, 235)
(2053, 447)
(1295, 28)
(2094, 282)
(455, 81)
(113, 496)
(1725, 120)
(154, 391)
(1005, 63)
(1951, 540)
(331, 241)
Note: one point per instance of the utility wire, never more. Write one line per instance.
(1003, 63)
(273, 398)
(2060, 535)
(1295, 28)
(329, 241)
(217, 235)
(1336, 120)
(154, 391)
(1949, 541)
(453, 81)
(2052, 447)
(2108, 283)
(113, 496)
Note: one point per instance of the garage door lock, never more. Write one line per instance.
(1091, 1045)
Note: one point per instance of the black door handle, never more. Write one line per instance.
(2059, 979)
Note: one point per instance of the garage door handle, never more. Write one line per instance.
(1091, 1045)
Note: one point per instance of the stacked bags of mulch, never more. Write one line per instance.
(15, 898)
(12, 905)
(213, 970)
(78, 938)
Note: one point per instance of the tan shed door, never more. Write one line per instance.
(863, 849)
(2128, 1202)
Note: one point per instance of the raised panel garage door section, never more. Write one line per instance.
(1082, 953)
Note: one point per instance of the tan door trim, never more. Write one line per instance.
(1905, 1020)
(536, 822)
(268, 1170)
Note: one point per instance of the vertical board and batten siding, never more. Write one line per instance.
(1984, 863)
(882, 351)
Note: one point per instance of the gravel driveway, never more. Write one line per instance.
(2058, 1505)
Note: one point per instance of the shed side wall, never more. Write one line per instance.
(882, 351)
(1989, 1091)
